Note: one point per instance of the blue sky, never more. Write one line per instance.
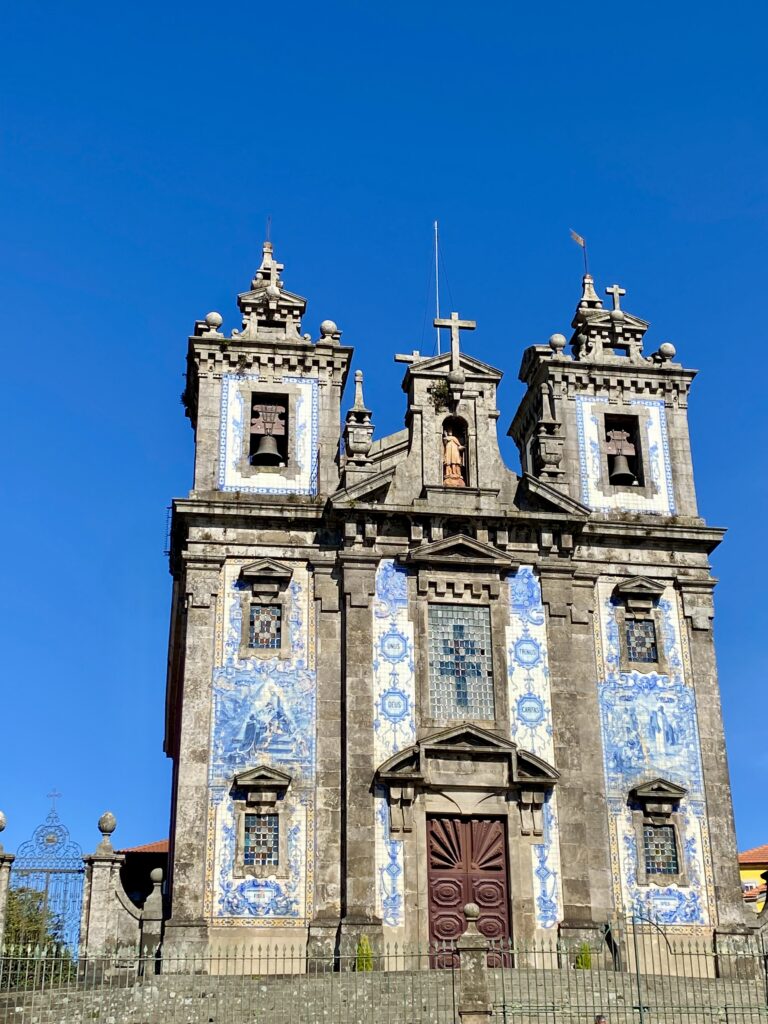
(144, 146)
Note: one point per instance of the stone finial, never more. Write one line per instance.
(471, 912)
(358, 429)
(330, 332)
(589, 298)
(667, 351)
(156, 876)
(3, 823)
(209, 326)
(557, 343)
(107, 824)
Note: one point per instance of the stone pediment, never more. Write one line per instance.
(266, 574)
(466, 757)
(475, 369)
(639, 586)
(538, 493)
(263, 785)
(658, 790)
(457, 552)
(365, 487)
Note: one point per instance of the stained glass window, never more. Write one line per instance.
(660, 850)
(460, 662)
(261, 840)
(641, 640)
(265, 627)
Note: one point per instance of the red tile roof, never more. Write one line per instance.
(757, 855)
(161, 846)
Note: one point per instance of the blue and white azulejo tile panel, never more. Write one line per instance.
(234, 421)
(531, 725)
(394, 694)
(264, 712)
(649, 730)
(659, 470)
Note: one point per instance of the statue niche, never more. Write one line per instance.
(454, 452)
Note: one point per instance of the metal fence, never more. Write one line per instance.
(636, 976)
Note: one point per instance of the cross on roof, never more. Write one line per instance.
(455, 325)
(269, 268)
(615, 291)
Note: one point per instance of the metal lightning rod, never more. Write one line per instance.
(437, 286)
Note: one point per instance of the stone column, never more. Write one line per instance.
(324, 927)
(6, 859)
(358, 812)
(187, 932)
(474, 992)
(581, 803)
(698, 612)
(152, 924)
(98, 931)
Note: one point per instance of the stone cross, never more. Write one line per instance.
(455, 325)
(615, 292)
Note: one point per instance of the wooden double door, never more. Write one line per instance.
(467, 863)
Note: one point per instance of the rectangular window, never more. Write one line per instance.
(265, 628)
(268, 445)
(460, 662)
(660, 850)
(261, 840)
(641, 640)
(623, 451)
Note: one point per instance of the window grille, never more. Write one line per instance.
(660, 849)
(265, 631)
(261, 840)
(460, 662)
(641, 640)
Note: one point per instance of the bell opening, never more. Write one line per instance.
(623, 451)
(269, 430)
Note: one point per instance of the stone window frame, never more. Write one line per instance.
(638, 599)
(261, 791)
(291, 472)
(643, 415)
(426, 721)
(264, 583)
(657, 803)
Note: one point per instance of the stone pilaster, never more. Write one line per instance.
(187, 928)
(98, 931)
(323, 929)
(359, 818)
(583, 821)
(6, 859)
(698, 612)
(152, 920)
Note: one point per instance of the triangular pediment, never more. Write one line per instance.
(659, 789)
(266, 569)
(456, 551)
(476, 369)
(262, 775)
(639, 586)
(364, 488)
(467, 736)
(542, 494)
(533, 769)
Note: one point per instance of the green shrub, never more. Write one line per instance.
(364, 957)
(584, 958)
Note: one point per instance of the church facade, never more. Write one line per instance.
(403, 678)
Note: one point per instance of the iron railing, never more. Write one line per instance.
(638, 976)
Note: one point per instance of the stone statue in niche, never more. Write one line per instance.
(453, 460)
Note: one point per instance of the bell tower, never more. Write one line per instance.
(603, 421)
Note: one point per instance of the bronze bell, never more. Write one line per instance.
(620, 471)
(267, 454)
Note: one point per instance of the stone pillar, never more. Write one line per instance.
(358, 813)
(6, 859)
(152, 923)
(324, 927)
(474, 992)
(187, 932)
(581, 803)
(98, 931)
(698, 612)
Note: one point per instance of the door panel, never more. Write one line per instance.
(467, 863)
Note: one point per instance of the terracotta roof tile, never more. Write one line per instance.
(161, 846)
(757, 855)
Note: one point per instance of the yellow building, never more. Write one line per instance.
(752, 867)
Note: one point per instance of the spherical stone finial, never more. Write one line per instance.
(156, 875)
(3, 821)
(471, 911)
(273, 292)
(457, 377)
(107, 823)
(328, 328)
(667, 351)
(557, 342)
(214, 320)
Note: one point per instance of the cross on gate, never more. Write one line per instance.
(455, 325)
(53, 796)
(615, 292)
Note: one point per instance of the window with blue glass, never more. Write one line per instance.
(460, 662)
(261, 840)
(641, 640)
(265, 627)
